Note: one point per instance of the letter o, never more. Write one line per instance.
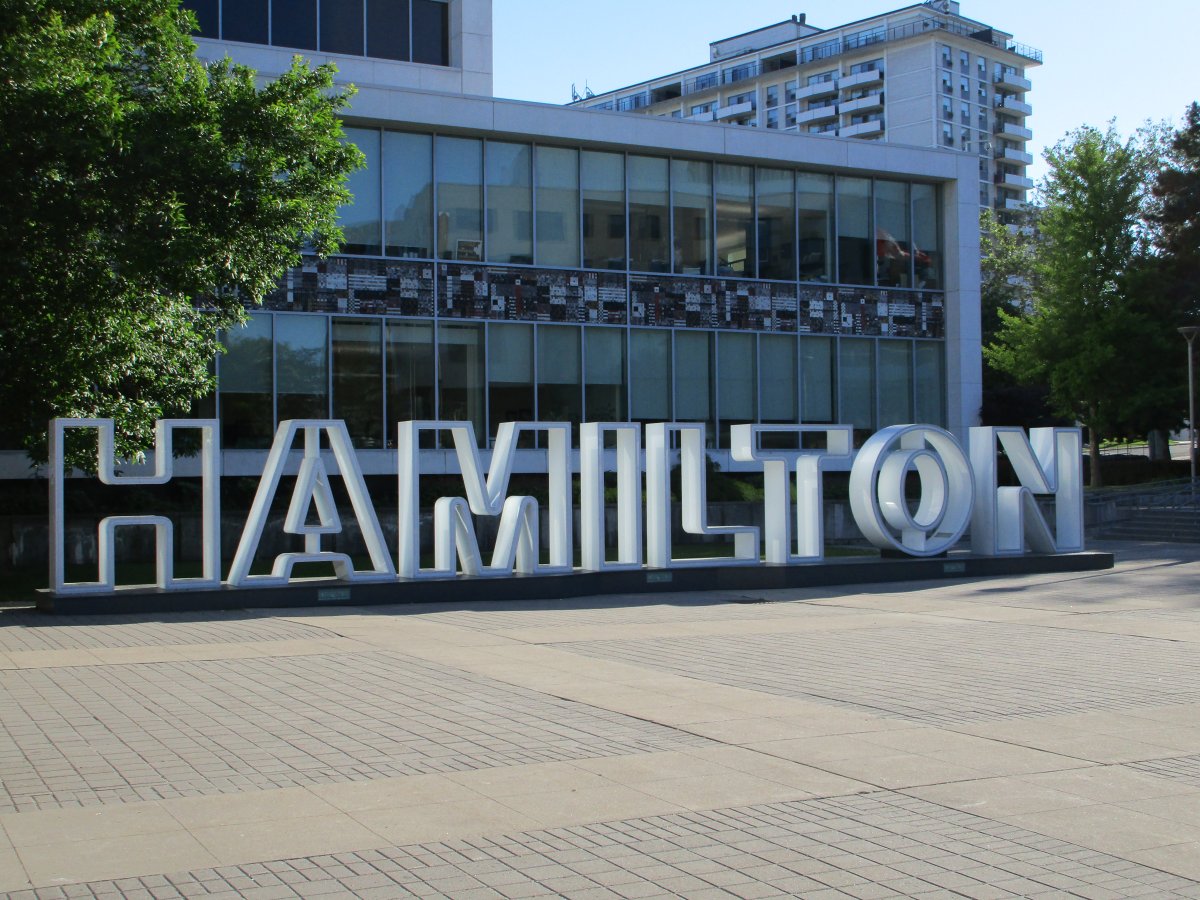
(877, 497)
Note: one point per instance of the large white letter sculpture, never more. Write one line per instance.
(591, 495)
(777, 495)
(693, 499)
(877, 496)
(517, 540)
(1045, 462)
(312, 486)
(164, 534)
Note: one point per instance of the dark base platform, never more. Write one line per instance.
(717, 577)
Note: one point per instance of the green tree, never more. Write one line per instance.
(1086, 333)
(148, 198)
(1176, 217)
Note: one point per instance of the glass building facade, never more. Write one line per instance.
(492, 280)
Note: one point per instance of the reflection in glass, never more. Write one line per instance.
(410, 368)
(510, 374)
(930, 378)
(246, 21)
(360, 217)
(649, 227)
(649, 374)
(777, 378)
(737, 382)
(208, 17)
(358, 379)
(431, 32)
(605, 388)
(817, 380)
(735, 220)
(776, 225)
(460, 198)
(927, 236)
(856, 263)
(461, 375)
(247, 419)
(509, 202)
(301, 367)
(557, 173)
(559, 396)
(814, 195)
(408, 194)
(293, 23)
(856, 383)
(387, 29)
(342, 26)
(693, 379)
(893, 241)
(895, 383)
(691, 191)
(603, 176)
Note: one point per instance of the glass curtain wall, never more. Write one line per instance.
(603, 181)
(358, 379)
(301, 367)
(814, 197)
(360, 218)
(895, 383)
(856, 263)
(408, 194)
(411, 389)
(509, 202)
(737, 381)
(605, 389)
(694, 393)
(930, 382)
(691, 186)
(777, 384)
(650, 374)
(247, 407)
(557, 177)
(818, 381)
(510, 374)
(462, 381)
(559, 371)
(893, 239)
(735, 220)
(459, 165)
(927, 237)
(649, 222)
(856, 385)
(776, 224)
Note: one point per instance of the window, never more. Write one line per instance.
(247, 419)
(301, 367)
(777, 385)
(822, 78)
(605, 389)
(895, 383)
(855, 262)
(603, 181)
(650, 374)
(358, 379)
(947, 109)
(814, 198)
(948, 134)
(460, 198)
(947, 56)
(430, 32)
(461, 371)
(691, 189)
(964, 61)
(817, 379)
(407, 30)
(893, 258)
(361, 216)
(510, 374)
(736, 387)
(410, 368)
(649, 225)
(693, 379)
(773, 95)
(559, 374)
(557, 175)
(293, 23)
(874, 65)
(408, 194)
(930, 382)
(509, 202)
(856, 383)
(342, 26)
(776, 224)
(735, 220)
(927, 242)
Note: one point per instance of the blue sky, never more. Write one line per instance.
(1103, 60)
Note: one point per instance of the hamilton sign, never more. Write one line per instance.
(914, 489)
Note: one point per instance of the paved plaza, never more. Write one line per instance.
(1028, 736)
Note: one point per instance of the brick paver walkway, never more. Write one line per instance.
(1022, 737)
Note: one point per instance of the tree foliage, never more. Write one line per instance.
(147, 198)
(1176, 217)
(1094, 333)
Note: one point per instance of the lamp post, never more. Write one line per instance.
(1189, 333)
